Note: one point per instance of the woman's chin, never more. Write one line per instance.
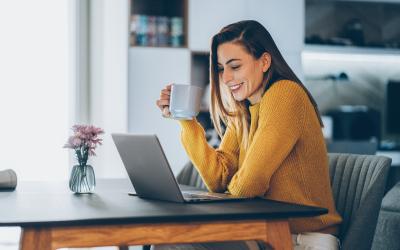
(238, 98)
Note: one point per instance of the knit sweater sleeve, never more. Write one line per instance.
(216, 166)
(281, 114)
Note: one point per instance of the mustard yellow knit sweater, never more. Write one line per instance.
(286, 158)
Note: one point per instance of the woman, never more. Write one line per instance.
(273, 145)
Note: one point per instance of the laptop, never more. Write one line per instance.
(150, 173)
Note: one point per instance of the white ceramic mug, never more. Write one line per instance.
(185, 101)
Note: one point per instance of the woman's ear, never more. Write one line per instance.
(266, 61)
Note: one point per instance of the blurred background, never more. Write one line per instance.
(347, 53)
(104, 62)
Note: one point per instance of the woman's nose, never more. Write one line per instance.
(226, 76)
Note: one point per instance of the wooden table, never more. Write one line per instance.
(52, 217)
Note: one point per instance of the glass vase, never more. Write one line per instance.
(82, 179)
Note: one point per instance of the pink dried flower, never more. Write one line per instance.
(84, 141)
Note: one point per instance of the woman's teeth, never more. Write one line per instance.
(234, 87)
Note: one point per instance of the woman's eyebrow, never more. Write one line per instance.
(229, 61)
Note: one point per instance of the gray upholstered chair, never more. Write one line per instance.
(388, 227)
(190, 177)
(358, 184)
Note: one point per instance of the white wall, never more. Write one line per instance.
(34, 88)
(109, 80)
(150, 69)
(284, 19)
(207, 17)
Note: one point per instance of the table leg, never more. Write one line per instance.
(35, 238)
(278, 235)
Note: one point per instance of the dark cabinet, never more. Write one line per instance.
(353, 23)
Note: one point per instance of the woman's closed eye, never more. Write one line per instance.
(220, 69)
(236, 67)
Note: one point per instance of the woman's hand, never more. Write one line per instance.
(163, 102)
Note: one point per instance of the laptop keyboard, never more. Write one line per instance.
(188, 195)
(193, 196)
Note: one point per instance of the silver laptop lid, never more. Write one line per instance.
(147, 167)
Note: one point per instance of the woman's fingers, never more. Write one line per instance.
(163, 102)
(166, 92)
(165, 112)
(164, 96)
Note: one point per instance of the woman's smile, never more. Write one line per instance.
(235, 87)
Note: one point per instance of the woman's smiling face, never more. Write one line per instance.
(241, 72)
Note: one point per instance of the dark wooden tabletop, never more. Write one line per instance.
(51, 203)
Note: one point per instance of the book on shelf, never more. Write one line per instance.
(161, 31)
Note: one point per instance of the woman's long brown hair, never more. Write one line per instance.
(256, 40)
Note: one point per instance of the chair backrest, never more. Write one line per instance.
(358, 185)
(190, 176)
